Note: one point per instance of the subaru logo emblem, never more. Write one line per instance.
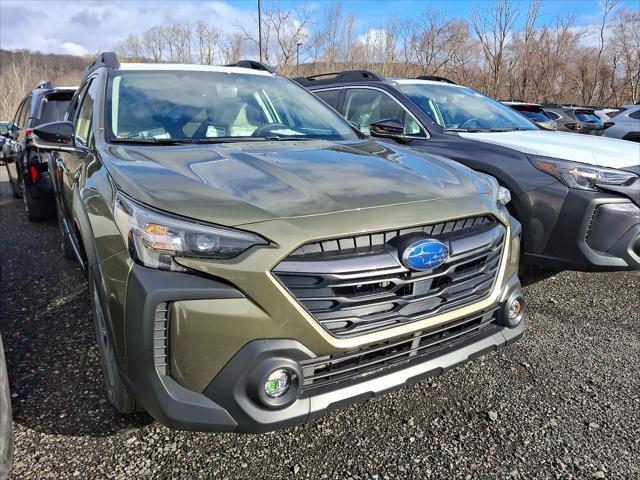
(425, 255)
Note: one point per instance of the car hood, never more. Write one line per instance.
(234, 184)
(606, 152)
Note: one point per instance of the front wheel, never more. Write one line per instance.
(118, 392)
(6, 432)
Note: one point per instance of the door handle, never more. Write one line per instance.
(61, 165)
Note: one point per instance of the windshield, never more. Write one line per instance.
(463, 109)
(206, 106)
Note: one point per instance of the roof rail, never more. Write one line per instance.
(253, 65)
(551, 105)
(435, 78)
(518, 100)
(45, 84)
(103, 59)
(345, 76)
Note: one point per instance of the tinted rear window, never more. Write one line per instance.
(53, 111)
(533, 112)
(330, 97)
(587, 116)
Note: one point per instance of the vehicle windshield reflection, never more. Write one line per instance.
(463, 109)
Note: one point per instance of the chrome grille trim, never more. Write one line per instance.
(341, 245)
(355, 292)
(331, 371)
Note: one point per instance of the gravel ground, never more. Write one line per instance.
(562, 403)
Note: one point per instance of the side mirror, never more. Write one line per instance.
(54, 136)
(14, 133)
(389, 128)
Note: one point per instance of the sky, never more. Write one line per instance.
(82, 27)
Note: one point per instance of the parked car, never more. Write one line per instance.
(534, 112)
(27, 168)
(577, 197)
(254, 261)
(574, 119)
(626, 123)
(5, 128)
(6, 430)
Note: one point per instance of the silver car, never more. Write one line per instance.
(626, 123)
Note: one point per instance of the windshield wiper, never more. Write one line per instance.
(287, 138)
(185, 141)
(147, 141)
(509, 129)
(468, 130)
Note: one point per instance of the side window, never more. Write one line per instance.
(365, 106)
(635, 114)
(83, 121)
(16, 118)
(330, 97)
(24, 113)
(552, 115)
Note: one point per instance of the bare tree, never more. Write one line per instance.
(493, 28)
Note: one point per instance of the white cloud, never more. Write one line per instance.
(86, 27)
(73, 48)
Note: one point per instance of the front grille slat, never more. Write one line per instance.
(357, 284)
(331, 371)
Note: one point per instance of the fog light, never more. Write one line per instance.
(277, 383)
(514, 310)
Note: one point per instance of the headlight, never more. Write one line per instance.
(154, 238)
(579, 175)
(501, 195)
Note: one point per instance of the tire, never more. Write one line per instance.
(15, 191)
(6, 432)
(118, 392)
(15, 188)
(36, 210)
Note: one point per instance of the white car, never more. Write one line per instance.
(626, 123)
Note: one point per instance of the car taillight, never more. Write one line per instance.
(35, 174)
(28, 132)
(607, 125)
(574, 126)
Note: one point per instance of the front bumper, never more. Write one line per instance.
(593, 231)
(219, 335)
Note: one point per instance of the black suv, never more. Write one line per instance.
(26, 166)
(577, 196)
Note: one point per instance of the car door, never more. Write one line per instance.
(365, 105)
(11, 146)
(21, 140)
(69, 163)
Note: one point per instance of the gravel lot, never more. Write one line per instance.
(562, 403)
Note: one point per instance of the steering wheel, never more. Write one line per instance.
(471, 123)
(268, 128)
(175, 119)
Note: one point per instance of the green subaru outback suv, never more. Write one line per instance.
(254, 261)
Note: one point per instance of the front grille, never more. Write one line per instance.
(351, 290)
(377, 240)
(331, 371)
